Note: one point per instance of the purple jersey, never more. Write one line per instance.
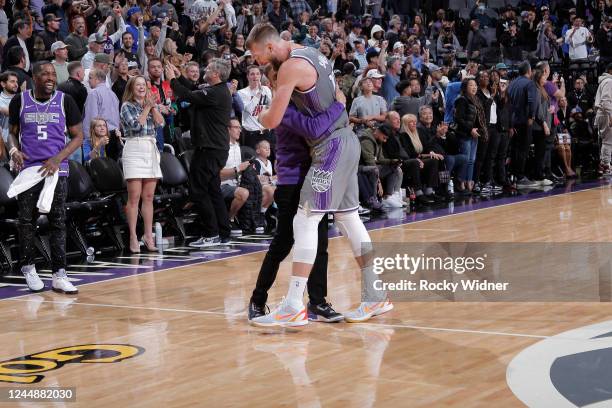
(42, 129)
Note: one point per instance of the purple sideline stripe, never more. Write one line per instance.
(151, 265)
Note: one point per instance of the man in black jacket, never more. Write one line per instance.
(211, 109)
(22, 37)
(74, 86)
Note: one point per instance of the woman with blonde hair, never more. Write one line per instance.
(98, 138)
(421, 171)
(140, 118)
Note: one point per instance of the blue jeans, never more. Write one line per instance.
(468, 148)
(456, 163)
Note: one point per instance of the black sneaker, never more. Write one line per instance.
(256, 310)
(323, 313)
(236, 230)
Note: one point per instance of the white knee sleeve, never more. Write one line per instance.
(352, 227)
(305, 233)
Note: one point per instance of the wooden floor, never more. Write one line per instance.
(200, 352)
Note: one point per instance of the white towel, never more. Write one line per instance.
(30, 177)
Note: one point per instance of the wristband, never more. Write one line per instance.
(13, 150)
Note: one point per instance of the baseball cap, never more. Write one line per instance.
(337, 72)
(501, 65)
(96, 37)
(385, 129)
(544, 8)
(432, 67)
(373, 73)
(357, 24)
(247, 53)
(51, 17)
(398, 44)
(132, 64)
(132, 11)
(58, 45)
(102, 58)
(577, 109)
(348, 68)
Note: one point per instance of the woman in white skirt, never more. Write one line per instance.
(140, 118)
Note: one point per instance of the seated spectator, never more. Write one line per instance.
(263, 166)
(421, 173)
(581, 96)
(101, 102)
(583, 139)
(98, 138)
(234, 195)
(384, 173)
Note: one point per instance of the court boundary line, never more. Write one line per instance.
(339, 236)
(209, 312)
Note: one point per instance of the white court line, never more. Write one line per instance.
(157, 309)
(494, 333)
(340, 236)
(400, 326)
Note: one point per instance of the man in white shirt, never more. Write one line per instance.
(60, 51)
(4, 23)
(255, 98)
(230, 174)
(577, 38)
(96, 45)
(10, 86)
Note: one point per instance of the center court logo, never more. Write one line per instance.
(321, 180)
(571, 369)
(26, 369)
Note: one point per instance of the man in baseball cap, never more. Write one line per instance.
(95, 45)
(60, 53)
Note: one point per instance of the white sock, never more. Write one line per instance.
(295, 295)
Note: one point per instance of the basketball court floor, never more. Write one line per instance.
(170, 330)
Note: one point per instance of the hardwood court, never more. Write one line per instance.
(200, 352)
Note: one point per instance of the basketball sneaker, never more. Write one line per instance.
(367, 310)
(323, 313)
(205, 242)
(61, 283)
(35, 284)
(256, 310)
(283, 315)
